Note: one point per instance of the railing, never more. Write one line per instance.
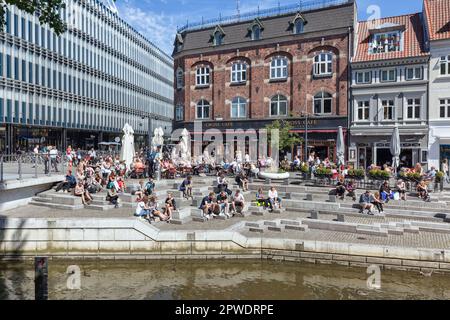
(29, 166)
(301, 6)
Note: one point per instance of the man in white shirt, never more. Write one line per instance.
(237, 201)
(54, 158)
(274, 199)
(142, 209)
(35, 155)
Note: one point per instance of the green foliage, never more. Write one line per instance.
(48, 12)
(379, 174)
(440, 176)
(287, 138)
(356, 173)
(323, 172)
(304, 168)
(414, 176)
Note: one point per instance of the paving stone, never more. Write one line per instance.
(309, 197)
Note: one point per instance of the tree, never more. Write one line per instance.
(48, 12)
(287, 138)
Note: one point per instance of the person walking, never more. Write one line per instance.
(46, 157)
(445, 169)
(54, 158)
(35, 155)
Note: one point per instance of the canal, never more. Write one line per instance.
(224, 280)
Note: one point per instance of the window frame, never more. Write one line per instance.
(388, 73)
(390, 107)
(239, 73)
(282, 67)
(203, 72)
(278, 100)
(239, 102)
(322, 100)
(416, 109)
(217, 38)
(296, 23)
(414, 69)
(444, 65)
(377, 50)
(319, 63)
(203, 104)
(256, 27)
(444, 105)
(364, 73)
(179, 116)
(363, 109)
(179, 79)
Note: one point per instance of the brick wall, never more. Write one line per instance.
(300, 87)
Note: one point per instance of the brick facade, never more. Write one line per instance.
(300, 87)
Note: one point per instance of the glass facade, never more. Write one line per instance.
(97, 76)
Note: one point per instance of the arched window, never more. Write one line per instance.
(180, 82)
(256, 32)
(239, 108)
(278, 106)
(203, 110)
(279, 68)
(323, 64)
(239, 72)
(322, 103)
(299, 25)
(218, 38)
(202, 76)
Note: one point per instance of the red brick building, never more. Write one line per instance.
(280, 65)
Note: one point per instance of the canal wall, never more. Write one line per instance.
(132, 239)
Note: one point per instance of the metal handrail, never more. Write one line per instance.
(301, 6)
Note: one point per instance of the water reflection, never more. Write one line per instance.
(226, 280)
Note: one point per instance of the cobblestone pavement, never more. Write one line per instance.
(423, 240)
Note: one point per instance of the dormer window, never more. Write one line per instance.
(298, 24)
(179, 43)
(386, 42)
(217, 36)
(256, 30)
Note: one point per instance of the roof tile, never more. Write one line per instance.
(437, 13)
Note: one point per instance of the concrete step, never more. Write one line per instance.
(57, 206)
(101, 207)
(42, 199)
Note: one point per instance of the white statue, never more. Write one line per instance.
(158, 138)
(127, 151)
(184, 146)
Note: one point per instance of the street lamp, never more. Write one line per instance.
(306, 116)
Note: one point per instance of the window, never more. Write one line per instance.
(278, 106)
(299, 25)
(414, 108)
(388, 109)
(239, 72)
(386, 42)
(323, 64)
(179, 113)
(238, 108)
(363, 110)
(414, 73)
(180, 82)
(203, 109)
(256, 32)
(278, 68)
(388, 75)
(445, 108)
(322, 103)
(202, 76)
(218, 38)
(364, 77)
(445, 65)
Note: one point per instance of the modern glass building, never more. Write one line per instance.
(80, 88)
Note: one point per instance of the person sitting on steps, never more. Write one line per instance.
(378, 203)
(274, 199)
(171, 205)
(222, 201)
(186, 188)
(237, 201)
(366, 202)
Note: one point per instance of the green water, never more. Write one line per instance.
(228, 280)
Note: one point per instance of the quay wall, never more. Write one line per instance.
(131, 239)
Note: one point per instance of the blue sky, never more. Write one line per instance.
(158, 19)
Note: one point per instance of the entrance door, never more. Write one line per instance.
(407, 159)
(445, 152)
(383, 157)
(365, 157)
